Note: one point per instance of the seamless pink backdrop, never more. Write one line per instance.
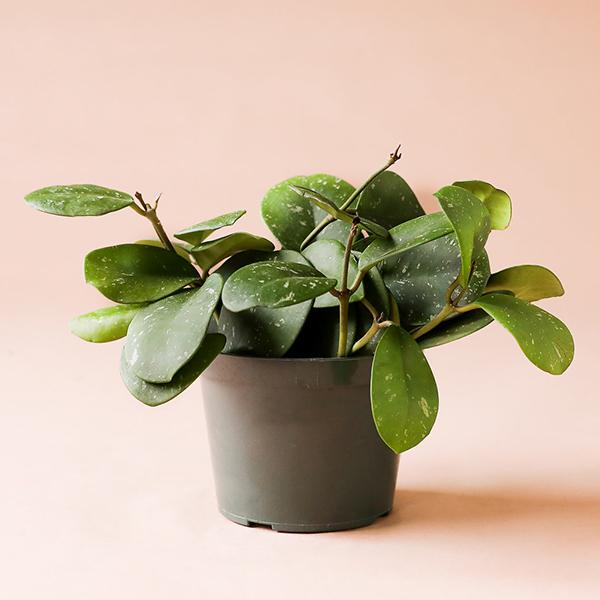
(211, 103)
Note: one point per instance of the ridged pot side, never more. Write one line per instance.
(293, 443)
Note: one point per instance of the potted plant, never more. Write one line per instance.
(291, 340)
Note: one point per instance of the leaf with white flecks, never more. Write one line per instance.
(496, 201)
(528, 282)
(197, 233)
(105, 324)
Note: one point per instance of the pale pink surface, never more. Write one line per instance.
(211, 103)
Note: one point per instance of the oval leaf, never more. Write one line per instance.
(105, 324)
(273, 284)
(131, 273)
(471, 222)
(455, 328)
(291, 218)
(328, 257)
(389, 201)
(262, 331)
(154, 394)
(528, 282)
(208, 254)
(404, 237)
(544, 339)
(197, 233)
(496, 201)
(166, 334)
(79, 200)
(404, 396)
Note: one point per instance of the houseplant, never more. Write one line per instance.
(363, 283)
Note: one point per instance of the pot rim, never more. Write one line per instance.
(292, 359)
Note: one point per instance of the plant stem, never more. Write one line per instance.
(344, 292)
(394, 157)
(343, 337)
(445, 312)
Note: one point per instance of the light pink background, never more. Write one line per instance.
(211, 103)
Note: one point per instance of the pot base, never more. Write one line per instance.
(308, 528)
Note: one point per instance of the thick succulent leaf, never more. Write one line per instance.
(197, 233)
(376, 292)
(405, 236)
(320, 335)
(360, 243)
(544, 339)
(341, 215)
(418, 279)
(471, 222)
(166, 334)
(154, 394)
(131, 273)
(105, 324)
(261, 331)
(182, 249)
(404, 396)
(208, 254)
(328, 257)
(528, 282)
(273, 284)
(389, 201)
(496, 201)
(291, 218)
(79, 200)
(455, 328)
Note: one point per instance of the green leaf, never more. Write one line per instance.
(528, 282)
(403, 237)
(181, 249)
(320, 335)
(328, 257)
(419, 279)
(404, 396)
(455, 328)
(154, 394)
(105, 324)
(496, 201)
(341, 215)
(273, 284)
(471, 222)
(291, 218)
(261, 331)
(79, 200)
(197, 233)
(389, 201)
(544, 339)
(166, 334)
(208, 254)
(131, 273)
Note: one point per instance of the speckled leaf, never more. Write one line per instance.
(405, 236)
(154, 394)
(105, 324)
(455, 328)
(78, 200)
(261, 331)
(341, 215)
(496, 201)
(471, 222)
(197, 233)
(544, 339)
(273, 284)
(182, 249)
(212, 252)
(528, 282)
(320, 335)
(328, 257)
(418, 279)
(291, 218)
(389, 201)
(166, 334)
(404, 396)
(131, 273)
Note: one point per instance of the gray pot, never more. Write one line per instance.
(293, 443)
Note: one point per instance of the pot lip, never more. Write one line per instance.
(301, 360)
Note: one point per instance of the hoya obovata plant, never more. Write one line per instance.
(360, 271)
